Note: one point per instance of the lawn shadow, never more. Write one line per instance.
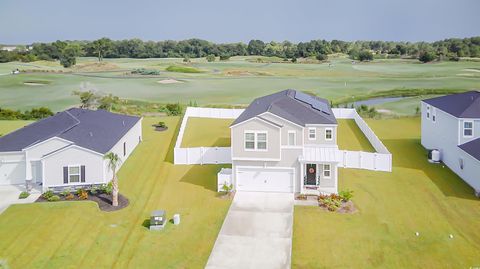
(221, 142)
(409, 153)
(170, 157)
(202, 175)
(146, 223)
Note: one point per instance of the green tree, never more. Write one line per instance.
(101, 47)
(69, 54)
(365, 55)
(426, 56)
(113, 162)
(255, 47)
(106, 102)
(87, 98)
(322, 57)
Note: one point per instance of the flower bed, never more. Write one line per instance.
(337, 202)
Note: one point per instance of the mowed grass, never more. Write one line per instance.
(207, 132)
(416, 197)
(350, 137)
(79, 235)
(8, 126)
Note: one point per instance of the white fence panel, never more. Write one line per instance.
(203, 155)
(365, 160)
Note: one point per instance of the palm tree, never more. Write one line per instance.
(113, 162)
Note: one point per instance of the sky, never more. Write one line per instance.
(224, 21)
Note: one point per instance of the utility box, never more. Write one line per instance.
(158, 219)
(176, 219)
(224, 177)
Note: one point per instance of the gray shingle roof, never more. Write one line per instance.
(97, 130)
(460, 105)
(472, 148)
(291, 105)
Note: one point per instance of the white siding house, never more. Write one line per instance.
(451, 124)
(67, 149)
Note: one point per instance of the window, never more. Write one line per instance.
(468, 128)
(326, 171)
(249, 140)
(74, 174)
(124, 148)
(312, 133)
(434, 115)
(428, 112)
(291, 138)
(328, 134)
(262, 141)
(460, 162)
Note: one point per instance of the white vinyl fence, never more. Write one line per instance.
(204, 155)
(381, 160)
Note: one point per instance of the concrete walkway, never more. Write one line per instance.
(257, 232)
(9, 195)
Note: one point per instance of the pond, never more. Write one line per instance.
(376, 101)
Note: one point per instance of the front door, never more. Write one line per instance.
(311, 174)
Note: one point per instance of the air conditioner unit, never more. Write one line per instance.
(434, 156)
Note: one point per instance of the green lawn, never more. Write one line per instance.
(237, 81)
(350, 137)
(416, 197)
(7, 126)
(207, 132)
(79, 235)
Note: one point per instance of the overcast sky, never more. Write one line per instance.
(28, 21)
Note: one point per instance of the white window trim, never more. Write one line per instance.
(329, 170)
(255, 140)
(428, 112)
(314, 134)
(331, 134)
(294, 138)
(434, 115)
(79, 173)
(463, 129)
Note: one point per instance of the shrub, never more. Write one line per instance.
(331, 202)
(227, 188)
(322, 57)
(426, 56)
(161, 124)
(93, 190)
(66, 192)
(82, 194)
(186, 59)
(69, 196)
(346, 195)
(107, 188)
(173, 109)
(365, 55)
(54, 198)
(23, 195)
(211, 58)
(224, 57)
(47, 194)
(183, 69)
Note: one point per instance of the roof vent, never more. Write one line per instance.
(91, 134)
(123, 122)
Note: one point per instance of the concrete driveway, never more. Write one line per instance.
(257, 232)
(9, 195)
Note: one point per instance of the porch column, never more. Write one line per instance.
(301, 177)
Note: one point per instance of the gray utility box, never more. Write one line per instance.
(158, 219)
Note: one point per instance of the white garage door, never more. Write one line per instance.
(267, 180)
(12, 173)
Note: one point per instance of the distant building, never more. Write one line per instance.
(9, 48)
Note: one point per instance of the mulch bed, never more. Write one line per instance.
(345, 208)
(103, 200)
(160, 129)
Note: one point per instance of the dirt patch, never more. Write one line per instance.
(245, 73)
(91, 67)
(103, 200)
(169, 81)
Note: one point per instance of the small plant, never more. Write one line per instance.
(54, 198)
(107, 188)
(47, 194)
(93, 190)
(161, 124)
(346, 195)
(65, 192)
(82, 194)
(23, 195)
(331, 202)
(69, 196)
(227, 187)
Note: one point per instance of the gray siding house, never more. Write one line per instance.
(67, 149)
(285, 142)
(451, 124)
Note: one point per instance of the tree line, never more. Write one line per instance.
(66, 51)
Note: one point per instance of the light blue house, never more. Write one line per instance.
(451, 124)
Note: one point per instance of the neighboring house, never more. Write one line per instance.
(67, 149)
(451, 124)
(285, 142)
(9, 48)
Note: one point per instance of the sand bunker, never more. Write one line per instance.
(472, 70)
(169, 81)
(35, 83)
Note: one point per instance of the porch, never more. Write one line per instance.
(318, 171)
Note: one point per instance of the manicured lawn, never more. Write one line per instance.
(206, 132)
(8, 126)
(416, 197)
(78, 234)
(350, 137)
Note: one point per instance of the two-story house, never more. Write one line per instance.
(451, 124)
(285, 142)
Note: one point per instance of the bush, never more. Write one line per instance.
(186, 59)
(211, 58)
(346, 195)
(224, 57)
(183, 69)
(65, 192)
(161, 124)
(93, 190)
(54, 198)
(365, 55)
(331, 202)
(227, 188)
(426, 56)
(69, 196)
(173, 109)
(143, 71)
(107, 188)
(47, 194)
(23, 195)
(82, 194)
(367, 112)
(322, 57)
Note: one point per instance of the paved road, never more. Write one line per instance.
(257, 232)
